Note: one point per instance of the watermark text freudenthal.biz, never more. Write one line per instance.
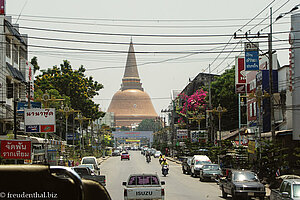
(27, 195)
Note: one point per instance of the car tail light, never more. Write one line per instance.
(125, 193)
(162, 192)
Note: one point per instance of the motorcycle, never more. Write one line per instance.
(165, 170)
(148, 159)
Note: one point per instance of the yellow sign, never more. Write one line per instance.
(251, 147)
(133, 140)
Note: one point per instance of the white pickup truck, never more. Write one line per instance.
(144, 186)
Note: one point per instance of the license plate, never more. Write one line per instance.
(250, 193)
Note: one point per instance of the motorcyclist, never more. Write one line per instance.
(164, 162)
(148, 157)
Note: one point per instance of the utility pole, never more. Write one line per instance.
(270, 57)
(209, 104)
(271, 77)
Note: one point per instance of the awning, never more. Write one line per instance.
(15, 73)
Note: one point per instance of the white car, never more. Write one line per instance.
(91, 160)
(157, 154)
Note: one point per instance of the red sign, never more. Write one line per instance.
(2, 7)
(240, 88)
(47, 128)
(16, 149)
(241, 71)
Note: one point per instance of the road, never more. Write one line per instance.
(178, 186)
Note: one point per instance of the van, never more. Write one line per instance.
(91, 160)
(197, 163)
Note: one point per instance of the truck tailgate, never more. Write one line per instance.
(144, 193)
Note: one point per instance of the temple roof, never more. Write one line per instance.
(131, 79)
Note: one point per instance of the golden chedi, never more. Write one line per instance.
(131, 104)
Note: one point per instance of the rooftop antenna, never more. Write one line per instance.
(21, 11)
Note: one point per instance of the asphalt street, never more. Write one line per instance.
(178, 185)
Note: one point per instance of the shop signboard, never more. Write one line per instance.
(16, 149)
(39, 120)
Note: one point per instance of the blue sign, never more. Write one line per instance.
(23, 105)
(32, 128)
(70, 136)
(251, 61)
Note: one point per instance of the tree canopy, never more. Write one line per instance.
(223, 94)
(149, 125)
(72, 83)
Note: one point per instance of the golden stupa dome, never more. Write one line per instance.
(131, 104)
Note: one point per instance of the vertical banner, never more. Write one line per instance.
(251, 56)
(240, 75)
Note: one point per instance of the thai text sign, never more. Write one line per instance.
(15, 149)
(251, 56)
(39, 120)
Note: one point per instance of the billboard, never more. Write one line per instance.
(22, 105)
(16, 149)
(39, 120)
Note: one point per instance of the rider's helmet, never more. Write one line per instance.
(165, 159)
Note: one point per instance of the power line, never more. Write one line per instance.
(140, 26)
(132, 20)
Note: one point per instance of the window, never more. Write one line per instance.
(132, 180)
(15, 54)
(296, 188)
(8, 47)
(154, 180)
(9, 89)
(288, 188)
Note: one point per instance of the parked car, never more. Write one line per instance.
(144, 186)
(289, 189)
(242, 183)
(186, 165)
(197, 163)
(125, 155)
(210, 172)
(85, 172)
(116, 153)
(157, 154)
(91, 160)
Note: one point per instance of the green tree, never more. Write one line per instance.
(223, 93)
(149, 125)
(72, 83)
(34, 62)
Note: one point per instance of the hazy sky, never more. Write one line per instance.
(100, 32)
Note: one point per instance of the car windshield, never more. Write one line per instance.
(143, 180)
(198, 162)
(211, 167)
(296, 188)
(244, 176)
(125, 154)
(88, 161)
(158, 152)
(116, 151)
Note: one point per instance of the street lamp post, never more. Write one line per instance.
(219, 110)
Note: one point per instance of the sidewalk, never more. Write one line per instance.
(102, 159)
(173, 160)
